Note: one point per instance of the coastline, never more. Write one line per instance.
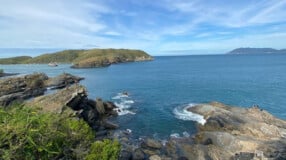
(216, 138)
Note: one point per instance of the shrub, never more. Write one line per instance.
(109, 150)
(1, 71)
(27, 133)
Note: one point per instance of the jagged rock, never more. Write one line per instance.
(62, 81)
(57, 101)
(151, 143)
(138, 154)
(109, 106)
(100, 106)
(109, 125)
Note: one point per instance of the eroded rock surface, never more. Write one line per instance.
(236, 133)
(18, 89)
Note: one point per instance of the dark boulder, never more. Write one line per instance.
(125, 155)
(138, 154)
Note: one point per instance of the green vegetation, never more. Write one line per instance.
(1, 71)
(108, 149)
(28, 133)
(67, 56)
(15, 60)
(85, 58)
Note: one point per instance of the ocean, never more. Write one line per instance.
(159, 91)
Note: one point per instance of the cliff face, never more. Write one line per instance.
(85, 58)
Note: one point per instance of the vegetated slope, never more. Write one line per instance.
(105, 57)
(86, 58)
(15, 60)
(66, 56)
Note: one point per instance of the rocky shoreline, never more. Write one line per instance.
(229, 132)
(7, 74)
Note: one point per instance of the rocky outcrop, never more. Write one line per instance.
(62, 81)
(75, 98)
(21, 88)
(236, 133)
(18, 89)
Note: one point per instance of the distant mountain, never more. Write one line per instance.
(256, 51)
(83, 58)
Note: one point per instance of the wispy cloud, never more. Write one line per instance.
(149, 25)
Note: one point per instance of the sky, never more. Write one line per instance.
(159, 27)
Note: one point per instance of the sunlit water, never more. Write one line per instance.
(160, 90)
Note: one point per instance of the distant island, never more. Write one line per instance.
(83, 58)
(257, 51)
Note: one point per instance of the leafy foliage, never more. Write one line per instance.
(109, 150)
(27, 133)
(1, 71)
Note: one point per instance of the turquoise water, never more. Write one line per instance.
(158, 87)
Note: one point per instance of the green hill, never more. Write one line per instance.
(15, 60)
(85, 58)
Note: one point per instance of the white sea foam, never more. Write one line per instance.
(186, 134)
(182, 113)
(124, 103)
(120, 96)
(129, 102)
(175, 135)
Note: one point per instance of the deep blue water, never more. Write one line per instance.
(159, 86)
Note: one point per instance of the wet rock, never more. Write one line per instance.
(109, 106)
(138, 154)
(151, 143)
(125, 155)
(155, 157)
(109, 125)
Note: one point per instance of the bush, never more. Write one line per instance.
(27, 133)
(109, 150)
(1, 71)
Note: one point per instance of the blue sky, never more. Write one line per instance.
(160, 27)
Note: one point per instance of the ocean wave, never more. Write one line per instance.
(120, 96)
(182, 113)
(124, 103)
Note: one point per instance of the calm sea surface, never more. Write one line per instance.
(160, 89)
